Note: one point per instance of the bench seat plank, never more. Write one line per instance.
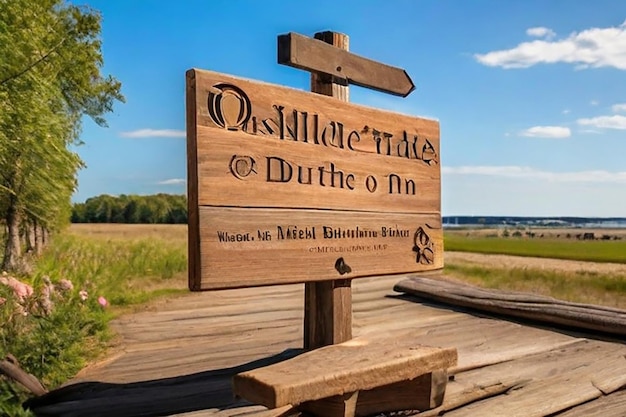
(340, 369)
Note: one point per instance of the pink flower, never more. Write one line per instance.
(83, 295)
(20, 289)
(103, 301)
(66, 285)
(2, 300)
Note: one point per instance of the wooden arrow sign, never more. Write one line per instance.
(315, 55)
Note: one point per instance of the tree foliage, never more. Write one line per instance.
(159, 208)
(50, 77)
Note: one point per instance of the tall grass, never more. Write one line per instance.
(594, 251)
(124, 271)
(579, 286)
(54, 339)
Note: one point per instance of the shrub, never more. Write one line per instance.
(55, 320)
(50, 329)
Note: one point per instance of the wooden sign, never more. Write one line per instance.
(318, 56)
(288, 186)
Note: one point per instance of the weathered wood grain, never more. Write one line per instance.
(546, 383)
(266, 99)
(323, 248)
(327, 313)
(422, 393)
(312, 55)
(326, 84)
(613, 405)
(516, 304)
(267, 148)
(338, 369)
(322, 178)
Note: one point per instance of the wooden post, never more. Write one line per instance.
(328, 304)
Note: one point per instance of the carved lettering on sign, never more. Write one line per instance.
(321, 188)
(423, 246)
(229, 107)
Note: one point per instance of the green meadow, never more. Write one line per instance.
(579, 250)
(606, 286)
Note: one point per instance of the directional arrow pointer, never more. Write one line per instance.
(315, 55)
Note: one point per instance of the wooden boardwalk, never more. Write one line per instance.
(505, 368)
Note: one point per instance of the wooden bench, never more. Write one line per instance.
(354, 378)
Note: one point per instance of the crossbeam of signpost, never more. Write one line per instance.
(345, 67)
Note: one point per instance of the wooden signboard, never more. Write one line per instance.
(287, 186)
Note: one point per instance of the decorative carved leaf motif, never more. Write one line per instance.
(423, 247)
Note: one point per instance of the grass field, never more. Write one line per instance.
(578, 282)
(589, 287)
(580, 250)
(175, 233)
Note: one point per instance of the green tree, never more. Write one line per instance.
(159, 208)
(50, 76)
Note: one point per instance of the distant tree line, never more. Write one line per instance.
(159, 208)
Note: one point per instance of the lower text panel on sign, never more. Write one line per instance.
(253, 247)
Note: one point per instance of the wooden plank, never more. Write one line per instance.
(321, 178)
(271, 112)
(313, 55)
(517, 304)
(338, 369)
(260, 147)
(422, 393)
(568, 376)
(248, 247)
(613, 405)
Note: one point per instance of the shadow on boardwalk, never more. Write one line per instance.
(159, 397)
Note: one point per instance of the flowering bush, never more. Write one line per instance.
(62, 323)
(45, 326)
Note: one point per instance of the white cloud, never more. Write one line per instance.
(598, 176)
(552, 132)
(594, 103)
(154, 133)
(566, 111)
(173, 181)
(605, 122)
(594, 47)
(619, 108)
(540, 32)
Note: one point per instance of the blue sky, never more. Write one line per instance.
(530, 94)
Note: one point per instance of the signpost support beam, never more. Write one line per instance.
(328, 304)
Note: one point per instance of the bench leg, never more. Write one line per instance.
(337, 406)
(422, 393)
